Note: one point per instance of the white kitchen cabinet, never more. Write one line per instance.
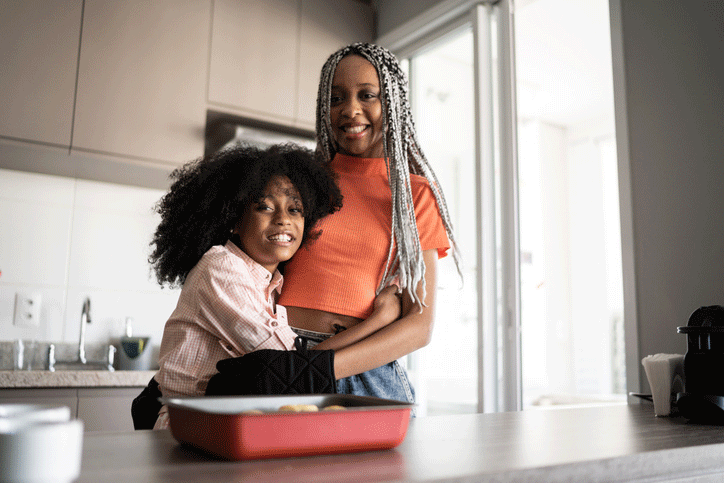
(107, 409)
(63, 397)
(127, 85)
(254, 57)
(142, 79)
(266, 56)
(101, 409)
(38, 55)
(325, 27)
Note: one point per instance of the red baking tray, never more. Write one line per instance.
(218, 425)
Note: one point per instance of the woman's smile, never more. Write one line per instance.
(354, 129)
(356, 109)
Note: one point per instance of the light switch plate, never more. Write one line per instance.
(27, 309)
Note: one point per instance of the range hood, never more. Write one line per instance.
(224, 130)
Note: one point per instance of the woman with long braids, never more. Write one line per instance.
(392, 228)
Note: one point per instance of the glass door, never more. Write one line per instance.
(461, 95)
(570, 240)
(514, 109)
(445, 373)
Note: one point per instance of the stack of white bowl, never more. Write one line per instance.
(39, 443)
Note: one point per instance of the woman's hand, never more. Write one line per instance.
(388, 305)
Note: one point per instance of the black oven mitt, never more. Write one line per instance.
(269, 371)
(145, 408)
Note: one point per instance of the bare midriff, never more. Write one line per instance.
(319, 320)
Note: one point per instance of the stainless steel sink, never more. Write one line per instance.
(79, 366)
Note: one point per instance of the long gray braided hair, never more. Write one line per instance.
(403, 156)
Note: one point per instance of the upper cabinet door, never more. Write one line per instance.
(38, 55)
(142, 79)
(326, 26)
(254, 57)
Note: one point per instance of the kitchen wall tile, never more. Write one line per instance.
(50, 326)
(116, 197)
(34, 243)
(35, 216)
(112, 228)
(69, 239)
(150, 312)
(39, 188)
(7, 301)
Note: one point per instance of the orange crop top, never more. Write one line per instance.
(340, 271)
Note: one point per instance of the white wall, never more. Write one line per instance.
(669, 71)
(66, 239)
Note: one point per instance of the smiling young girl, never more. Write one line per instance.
(228, 221)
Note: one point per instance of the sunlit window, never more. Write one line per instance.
(441, 78)
(570, 241)
(571, 295)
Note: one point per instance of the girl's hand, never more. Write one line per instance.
(387, 305)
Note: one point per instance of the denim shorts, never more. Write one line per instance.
(388, 382)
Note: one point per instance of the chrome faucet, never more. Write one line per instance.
(85, 318)
(81, 363)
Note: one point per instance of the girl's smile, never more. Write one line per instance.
(272, 228)
(356, 109)
(281, 238)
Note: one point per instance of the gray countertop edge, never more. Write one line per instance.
(688, 464)
(651, 450)
(60, 379)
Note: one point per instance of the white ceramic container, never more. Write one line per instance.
(39, 444)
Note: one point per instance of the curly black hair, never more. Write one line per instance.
(208, 196)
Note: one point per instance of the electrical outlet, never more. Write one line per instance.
(27, 309)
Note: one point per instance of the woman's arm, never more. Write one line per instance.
(411, 332)
(387, 308)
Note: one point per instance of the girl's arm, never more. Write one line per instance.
(411, 332)
(386, 310)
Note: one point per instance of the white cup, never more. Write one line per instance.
(665, 373)
(39, 444)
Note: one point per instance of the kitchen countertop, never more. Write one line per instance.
(592, 444)
(47, 379)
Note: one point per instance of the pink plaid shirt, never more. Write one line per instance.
(226, 309)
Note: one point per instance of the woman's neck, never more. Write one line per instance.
(359, 158)
(360, 166)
